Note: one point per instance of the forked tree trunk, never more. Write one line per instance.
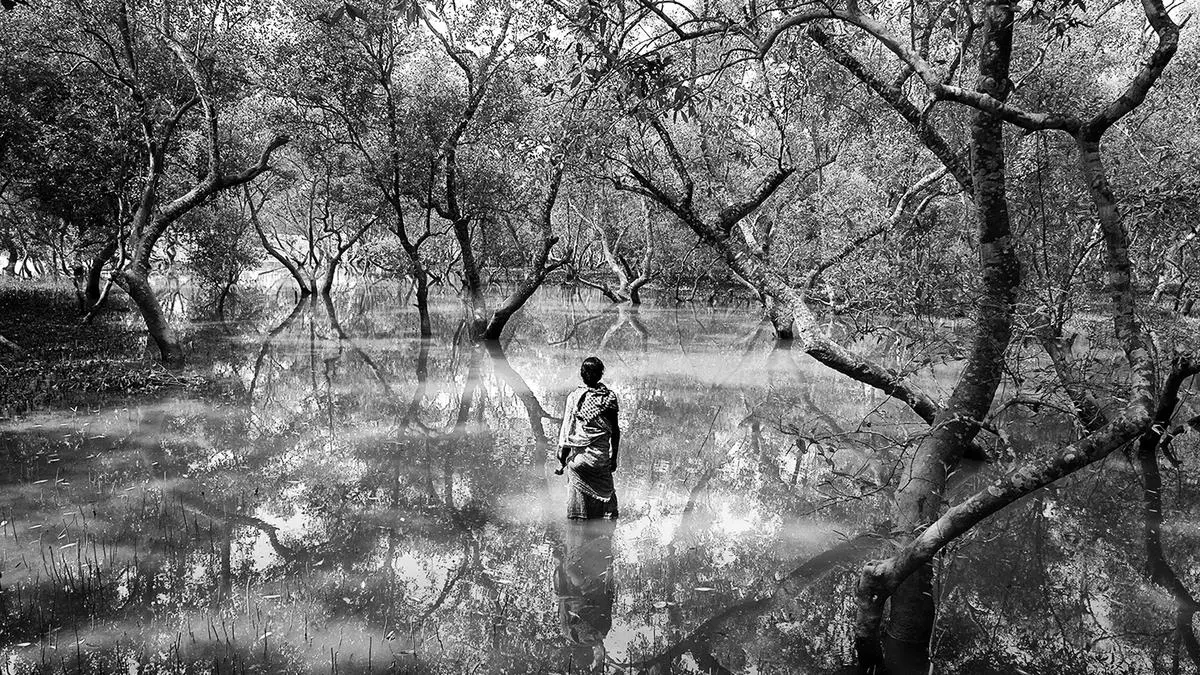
(628, 286)
(335, 260)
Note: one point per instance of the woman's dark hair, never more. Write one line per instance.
(592, 370)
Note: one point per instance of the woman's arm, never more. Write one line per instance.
(615, 439)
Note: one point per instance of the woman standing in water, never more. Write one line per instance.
(588, 443)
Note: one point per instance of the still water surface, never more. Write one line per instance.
(351, 499)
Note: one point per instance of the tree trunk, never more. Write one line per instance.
(1087, 408)
(327, 279)
(881, 578)
(474, 301)
(139, 289)
(335, 260)
(534, 276)
(782, 320)
(635, 296)
(421, 279)
(499, 319)
(230, 281)
(1158, 568)
(956, 425)
(92, 290)
(535, 273)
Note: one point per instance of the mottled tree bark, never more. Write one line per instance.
(919, 497)
(629, 281)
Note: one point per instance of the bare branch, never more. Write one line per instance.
(903, 212)
(934, 81)
(733, 213)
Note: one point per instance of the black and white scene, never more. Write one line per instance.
(600, 336)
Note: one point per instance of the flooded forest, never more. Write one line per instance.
(894, 303)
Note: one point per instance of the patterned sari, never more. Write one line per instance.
(588, 432)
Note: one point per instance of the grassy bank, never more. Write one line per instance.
(51, 359)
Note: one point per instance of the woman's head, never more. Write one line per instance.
(592, 370)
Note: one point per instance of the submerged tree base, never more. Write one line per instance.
(55, 360)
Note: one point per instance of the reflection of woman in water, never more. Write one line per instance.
(588, 442)
(583, 581)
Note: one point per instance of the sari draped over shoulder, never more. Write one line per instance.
(587, 431)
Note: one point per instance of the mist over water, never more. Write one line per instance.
(352, 499)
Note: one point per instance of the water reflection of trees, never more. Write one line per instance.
(350, 485)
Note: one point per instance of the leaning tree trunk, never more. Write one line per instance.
(137, 285)
(525, 289)
(328, 277)
(539, 266)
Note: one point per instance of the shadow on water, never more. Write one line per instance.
(354, 499)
